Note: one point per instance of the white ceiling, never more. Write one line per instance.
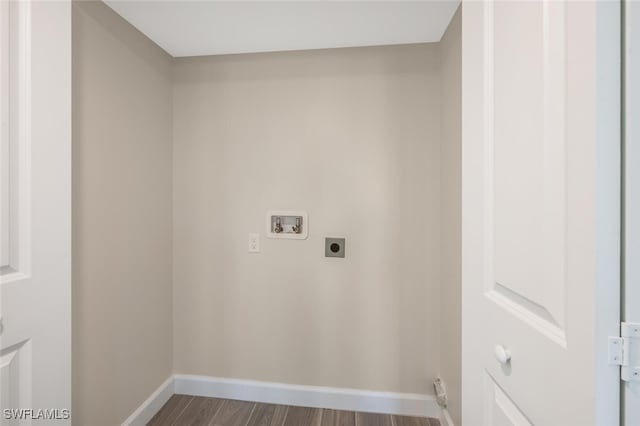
(193, 28)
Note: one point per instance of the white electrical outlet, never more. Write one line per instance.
(254, 243)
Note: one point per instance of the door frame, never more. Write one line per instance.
(608, 188)
(631, 188)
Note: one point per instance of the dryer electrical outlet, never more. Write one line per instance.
(334, 247)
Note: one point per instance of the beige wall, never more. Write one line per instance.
(366, 140)
(352, 136)
(451, 64)
(122, 302)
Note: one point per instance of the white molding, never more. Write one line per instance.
(631, 225)
(445, 418)
(309, 396)
(406, 404)
(151, 405)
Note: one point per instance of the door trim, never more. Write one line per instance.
(630, 93)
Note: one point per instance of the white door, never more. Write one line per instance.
(631, 314)
(541, 185)
(35, 277)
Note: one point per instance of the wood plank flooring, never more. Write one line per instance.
(185, 410)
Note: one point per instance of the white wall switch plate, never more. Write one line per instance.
(254, 243)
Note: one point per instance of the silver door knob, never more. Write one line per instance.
(502, 355)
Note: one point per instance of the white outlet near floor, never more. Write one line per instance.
(254, 243)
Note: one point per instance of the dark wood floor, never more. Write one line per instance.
(185, 410)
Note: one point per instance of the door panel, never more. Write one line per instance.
(15, 379)
(15, 356)
(529, 167)
(500, 409)
(540, 215)
(35, 279)
(4, 136)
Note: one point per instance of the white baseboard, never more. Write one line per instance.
(309, 396)
(405, 404)
(445, 418)
(152, 405)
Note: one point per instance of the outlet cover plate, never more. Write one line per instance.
(254, 243)
(334, 247)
